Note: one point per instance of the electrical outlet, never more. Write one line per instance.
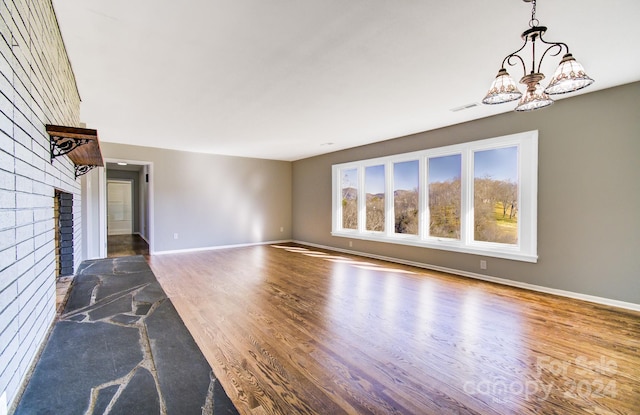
(282, 229)
(483, 264)
(175, 236)
(350, 244)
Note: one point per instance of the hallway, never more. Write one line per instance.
(127, 245)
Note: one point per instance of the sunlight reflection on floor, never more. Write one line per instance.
(339, 259)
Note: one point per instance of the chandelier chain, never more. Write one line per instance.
(533, 22)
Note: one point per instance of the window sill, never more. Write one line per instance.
(487, 250)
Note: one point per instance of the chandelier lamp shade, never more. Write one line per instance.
(568, 77)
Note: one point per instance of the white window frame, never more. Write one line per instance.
(526, 248)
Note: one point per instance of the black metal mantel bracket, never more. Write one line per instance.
(83, 169)
(63, 145)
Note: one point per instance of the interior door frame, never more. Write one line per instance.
(103, 203)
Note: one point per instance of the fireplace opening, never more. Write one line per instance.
(63, 219)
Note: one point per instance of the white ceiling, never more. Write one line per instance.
(128, 167)
(289, 79)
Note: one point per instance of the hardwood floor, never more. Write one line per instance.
(289, 330)
(126, 245)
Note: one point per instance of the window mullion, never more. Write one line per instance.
(466, 204)
(337, 197)
(389, 217)
(362, 201)
(423, 194)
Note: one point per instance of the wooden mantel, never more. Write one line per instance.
(81, 145)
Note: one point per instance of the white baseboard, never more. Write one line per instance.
(489, 278)
(215, 248)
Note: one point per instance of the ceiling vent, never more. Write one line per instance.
(464, 107)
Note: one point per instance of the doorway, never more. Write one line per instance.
(119, 207)
(129, 208)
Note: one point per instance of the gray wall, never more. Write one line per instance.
(211, 200)
(588, 195)
(134, 177)
(37, 87)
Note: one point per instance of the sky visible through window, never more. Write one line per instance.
(498, 164)
(350, 178)
(445, 168)
(374, 179)
(405, 175)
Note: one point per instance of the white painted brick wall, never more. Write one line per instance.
(7, 238)
(37, 87)
(7, 258)
(9, 338)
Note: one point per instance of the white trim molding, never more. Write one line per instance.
(219, 247)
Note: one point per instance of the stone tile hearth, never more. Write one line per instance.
(120, 347)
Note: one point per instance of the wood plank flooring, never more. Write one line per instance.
(295, 330)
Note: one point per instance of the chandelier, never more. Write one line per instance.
(568, 77)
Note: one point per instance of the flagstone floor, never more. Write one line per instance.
(119, 347)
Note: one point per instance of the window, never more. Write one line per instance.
(445, 192)
(478, 197)
(495, 195)
(374, 189)
(349, 190)
(405, 197)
